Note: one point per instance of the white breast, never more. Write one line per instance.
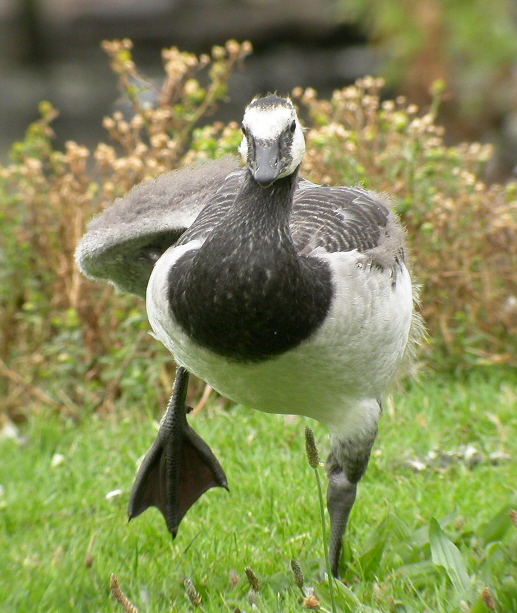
(343, 369)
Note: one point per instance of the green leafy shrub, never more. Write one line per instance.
(67, 343)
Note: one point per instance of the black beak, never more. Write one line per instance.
(266, 166)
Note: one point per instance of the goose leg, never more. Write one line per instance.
(346, 465)
(178, 468)
(340, 499)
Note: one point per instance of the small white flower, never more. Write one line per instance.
(57, 460)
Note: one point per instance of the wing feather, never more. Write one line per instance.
(337, 219)
(123, 243)
(340, 219)
(216, 209)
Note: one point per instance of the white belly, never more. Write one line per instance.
(343, 368)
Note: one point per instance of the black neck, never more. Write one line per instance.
(246, 294)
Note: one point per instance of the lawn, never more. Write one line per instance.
(446, 450)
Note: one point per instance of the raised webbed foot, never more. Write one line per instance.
(178, 468)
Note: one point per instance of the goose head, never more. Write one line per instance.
(273, 144)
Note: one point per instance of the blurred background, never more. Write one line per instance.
(50, 50)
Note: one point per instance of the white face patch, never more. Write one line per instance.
(267, 124)
(298, 147)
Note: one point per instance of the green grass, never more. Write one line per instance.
(61, 538)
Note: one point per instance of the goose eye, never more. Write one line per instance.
(292, 127)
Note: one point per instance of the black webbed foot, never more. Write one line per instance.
(178, 468)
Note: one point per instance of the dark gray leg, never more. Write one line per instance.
(346, 465)
(340, 499)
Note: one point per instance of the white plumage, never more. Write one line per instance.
(366, 331)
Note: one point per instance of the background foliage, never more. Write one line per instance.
(425, 40)
(68, 343)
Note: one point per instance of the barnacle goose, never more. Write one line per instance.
(283, 295)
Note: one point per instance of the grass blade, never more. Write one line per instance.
(444, 553)
(497, 527)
